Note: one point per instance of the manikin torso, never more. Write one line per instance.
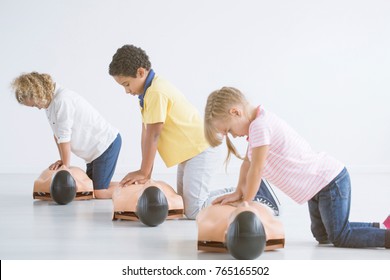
(125, 200)
(43, 182)
(214, 220)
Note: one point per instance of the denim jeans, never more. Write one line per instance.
(101, 170)
(329, 214)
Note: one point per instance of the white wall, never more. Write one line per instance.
(321, 65)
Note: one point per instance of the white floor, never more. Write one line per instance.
(84, 229)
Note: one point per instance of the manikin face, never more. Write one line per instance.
(237, 124)
(133, 85)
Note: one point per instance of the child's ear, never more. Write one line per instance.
(141, 72)
(235, 111)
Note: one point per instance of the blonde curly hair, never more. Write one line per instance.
(33, 86)
(217, 109)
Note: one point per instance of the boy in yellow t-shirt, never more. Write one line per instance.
(172, 126)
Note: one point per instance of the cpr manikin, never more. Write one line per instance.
(244, 231)
(151, 203)
(43, 184)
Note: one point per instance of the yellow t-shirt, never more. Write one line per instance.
(182, 136)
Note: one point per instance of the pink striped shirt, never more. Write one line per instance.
(291, 164)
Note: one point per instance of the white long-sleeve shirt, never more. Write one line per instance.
(74, 120)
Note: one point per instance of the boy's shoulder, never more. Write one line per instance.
(161, 85)
(62, 92)
(65, 93)
(160, 82)
(64, 96)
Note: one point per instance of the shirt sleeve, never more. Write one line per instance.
(155, 108)
(259, 133)
(64, 113)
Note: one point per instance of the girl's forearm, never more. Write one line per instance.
(243, 175)
(255, 172)
(252, 184)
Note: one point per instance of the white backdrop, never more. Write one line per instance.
(321, 65)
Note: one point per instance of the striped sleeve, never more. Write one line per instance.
(260, 133)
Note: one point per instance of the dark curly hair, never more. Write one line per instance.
(127, 60)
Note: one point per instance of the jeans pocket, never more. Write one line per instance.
(342, 187)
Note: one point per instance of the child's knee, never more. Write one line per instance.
(191, 213)
(339, 241)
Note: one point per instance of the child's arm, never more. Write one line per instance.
(250, 178)
(149, 149)
(143, 137)
(255, 171)
(64, 151)
(237, 195)
(243, 174)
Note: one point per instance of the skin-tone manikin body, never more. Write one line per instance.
(125, 200)
(83, 183)
(214, 220)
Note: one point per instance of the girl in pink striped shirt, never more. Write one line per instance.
(280, 155)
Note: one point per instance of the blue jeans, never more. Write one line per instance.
(101, 170)
(329, 214)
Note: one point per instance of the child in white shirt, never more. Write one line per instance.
(77, 128)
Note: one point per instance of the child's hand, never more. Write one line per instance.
(228, 198)
(135, 177)
(236, 203)
(56, 165)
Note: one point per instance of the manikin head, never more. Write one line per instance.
(245, 235)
